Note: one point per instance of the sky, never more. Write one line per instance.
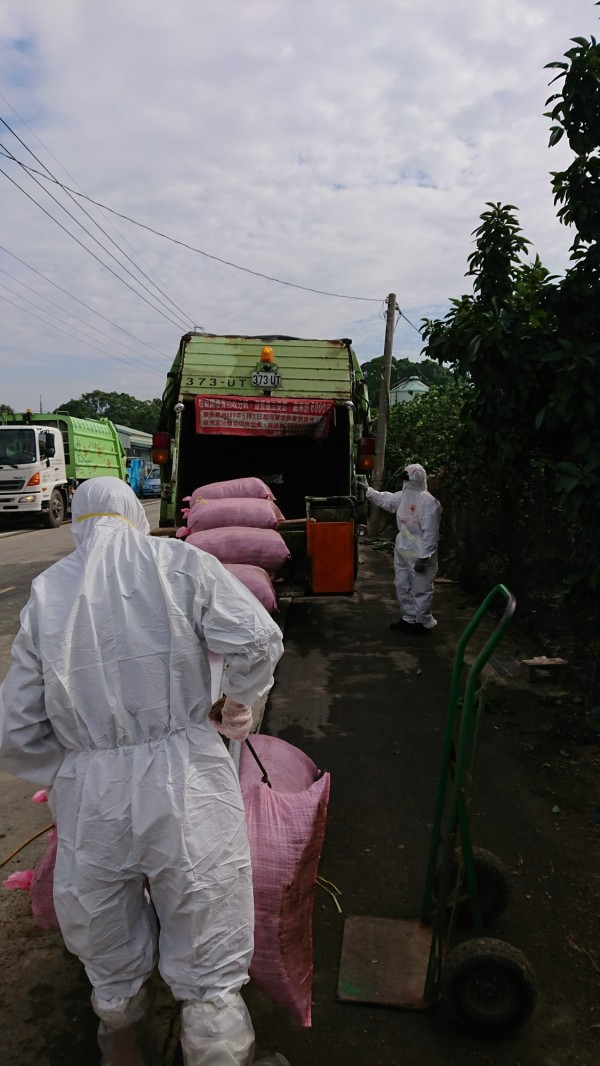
(347, 147)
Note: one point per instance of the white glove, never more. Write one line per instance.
(232, 719)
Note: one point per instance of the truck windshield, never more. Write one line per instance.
(17, 446)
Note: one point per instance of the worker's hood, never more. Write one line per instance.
(105, 499)
(417, 478)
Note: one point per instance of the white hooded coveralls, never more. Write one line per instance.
(107, 701)
(418, 516)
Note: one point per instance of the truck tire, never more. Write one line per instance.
(55, 514)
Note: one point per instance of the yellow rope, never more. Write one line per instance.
(25, 843)
(330, 888)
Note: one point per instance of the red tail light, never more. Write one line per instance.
(366, 454)
(161, 448)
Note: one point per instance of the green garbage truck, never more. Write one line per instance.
(44, 457)
(291, 411)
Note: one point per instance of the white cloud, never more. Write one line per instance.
(347, 147)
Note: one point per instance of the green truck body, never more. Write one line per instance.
(44, 457)
(294, 417)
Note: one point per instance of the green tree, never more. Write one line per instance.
(492, 339)
(119, 407)
(572, 412)
(529, 344)
(6, 409)
(425, 431)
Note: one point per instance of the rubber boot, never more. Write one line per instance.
(217, 1033)
(125, 1034)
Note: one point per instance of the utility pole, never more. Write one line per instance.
(382, 418)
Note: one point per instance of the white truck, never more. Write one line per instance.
(43, 458)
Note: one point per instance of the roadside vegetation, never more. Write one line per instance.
(513, 441)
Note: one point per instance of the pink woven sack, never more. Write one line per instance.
(239, 544)
(42, 889)
(257, 580)
(243, 486)
(286, 829)
(213, 514)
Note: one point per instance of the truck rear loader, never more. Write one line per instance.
(293, 412)
(44, 457)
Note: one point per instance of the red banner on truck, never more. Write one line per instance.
(263, 416)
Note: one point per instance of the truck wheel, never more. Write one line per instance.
(55, 515)
(488, 987)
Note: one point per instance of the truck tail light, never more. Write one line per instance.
(366, 454)
(161, 448)
(33, 480)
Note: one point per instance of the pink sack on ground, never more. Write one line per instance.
(257, 580)
(213, 514)
(286, 829)
(243, 486)
(20, 880)
(42, 888)
(239, 544)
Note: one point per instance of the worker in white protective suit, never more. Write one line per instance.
(107, 702)
(418, 516)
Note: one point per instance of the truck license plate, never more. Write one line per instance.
(266, 379)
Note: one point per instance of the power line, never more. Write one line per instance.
(200, 251)
(119, 359)
(82, 245)
(49, 173)
(416, 328)
(53, 304)
(83, 304)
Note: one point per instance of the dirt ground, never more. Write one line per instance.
(370, 707)
(537, 790)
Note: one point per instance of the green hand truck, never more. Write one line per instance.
(483, 983)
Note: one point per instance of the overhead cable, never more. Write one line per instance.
(89, 250)
(45, 311)
(200, 251)
(187, 318)
(120, 359)
(82, 302)
(416, 328)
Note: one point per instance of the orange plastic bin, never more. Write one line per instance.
(331, 553)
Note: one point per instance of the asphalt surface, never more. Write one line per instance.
(369, 706)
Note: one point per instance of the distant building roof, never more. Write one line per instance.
(407, 389)
(133, 438)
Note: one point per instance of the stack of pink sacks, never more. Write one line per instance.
(236, 521)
